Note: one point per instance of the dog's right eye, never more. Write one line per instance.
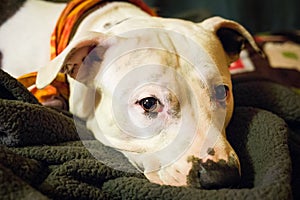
(221, 92)
(150, 104)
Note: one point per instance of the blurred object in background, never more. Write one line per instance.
(255, 15)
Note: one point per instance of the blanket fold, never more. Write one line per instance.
(269, 96)
(31, 124)
(13, 90)
(44, 155)
(25, 122)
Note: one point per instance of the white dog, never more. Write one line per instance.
(158, 90)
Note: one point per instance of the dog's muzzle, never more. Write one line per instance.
(214, 175)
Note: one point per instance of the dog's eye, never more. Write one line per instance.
(221, 92)
(149, 104)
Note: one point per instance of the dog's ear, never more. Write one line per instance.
(231, 34)
(78, 59)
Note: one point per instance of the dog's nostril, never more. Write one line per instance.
(211, 175)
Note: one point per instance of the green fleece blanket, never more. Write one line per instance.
(44, 155)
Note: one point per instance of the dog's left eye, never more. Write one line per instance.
(221, 92)
(150, 104)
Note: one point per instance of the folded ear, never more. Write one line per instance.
(79, 59)
(231, 34)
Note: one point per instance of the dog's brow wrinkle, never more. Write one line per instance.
(107, 25)
(123, 20)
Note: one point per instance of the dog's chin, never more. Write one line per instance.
(198, 173)
(174, 175)
(211, 179)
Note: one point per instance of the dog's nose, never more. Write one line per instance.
(218, 175)
(212, 175)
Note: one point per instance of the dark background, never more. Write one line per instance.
(256, 15)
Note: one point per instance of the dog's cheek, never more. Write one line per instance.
(229, 108)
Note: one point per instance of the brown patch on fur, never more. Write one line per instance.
(175, 106)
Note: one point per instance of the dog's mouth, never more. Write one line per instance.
(213, 175)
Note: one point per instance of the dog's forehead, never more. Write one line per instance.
(168, 26)
(174, 43)
(184, 38)
(154, 22)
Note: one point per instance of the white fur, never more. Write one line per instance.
(127, 40)
(107, 97)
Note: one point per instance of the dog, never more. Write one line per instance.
(156, 89)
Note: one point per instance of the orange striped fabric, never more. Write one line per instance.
(59, 87)
(73, 11)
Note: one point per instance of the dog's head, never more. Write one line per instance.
(160, 92)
